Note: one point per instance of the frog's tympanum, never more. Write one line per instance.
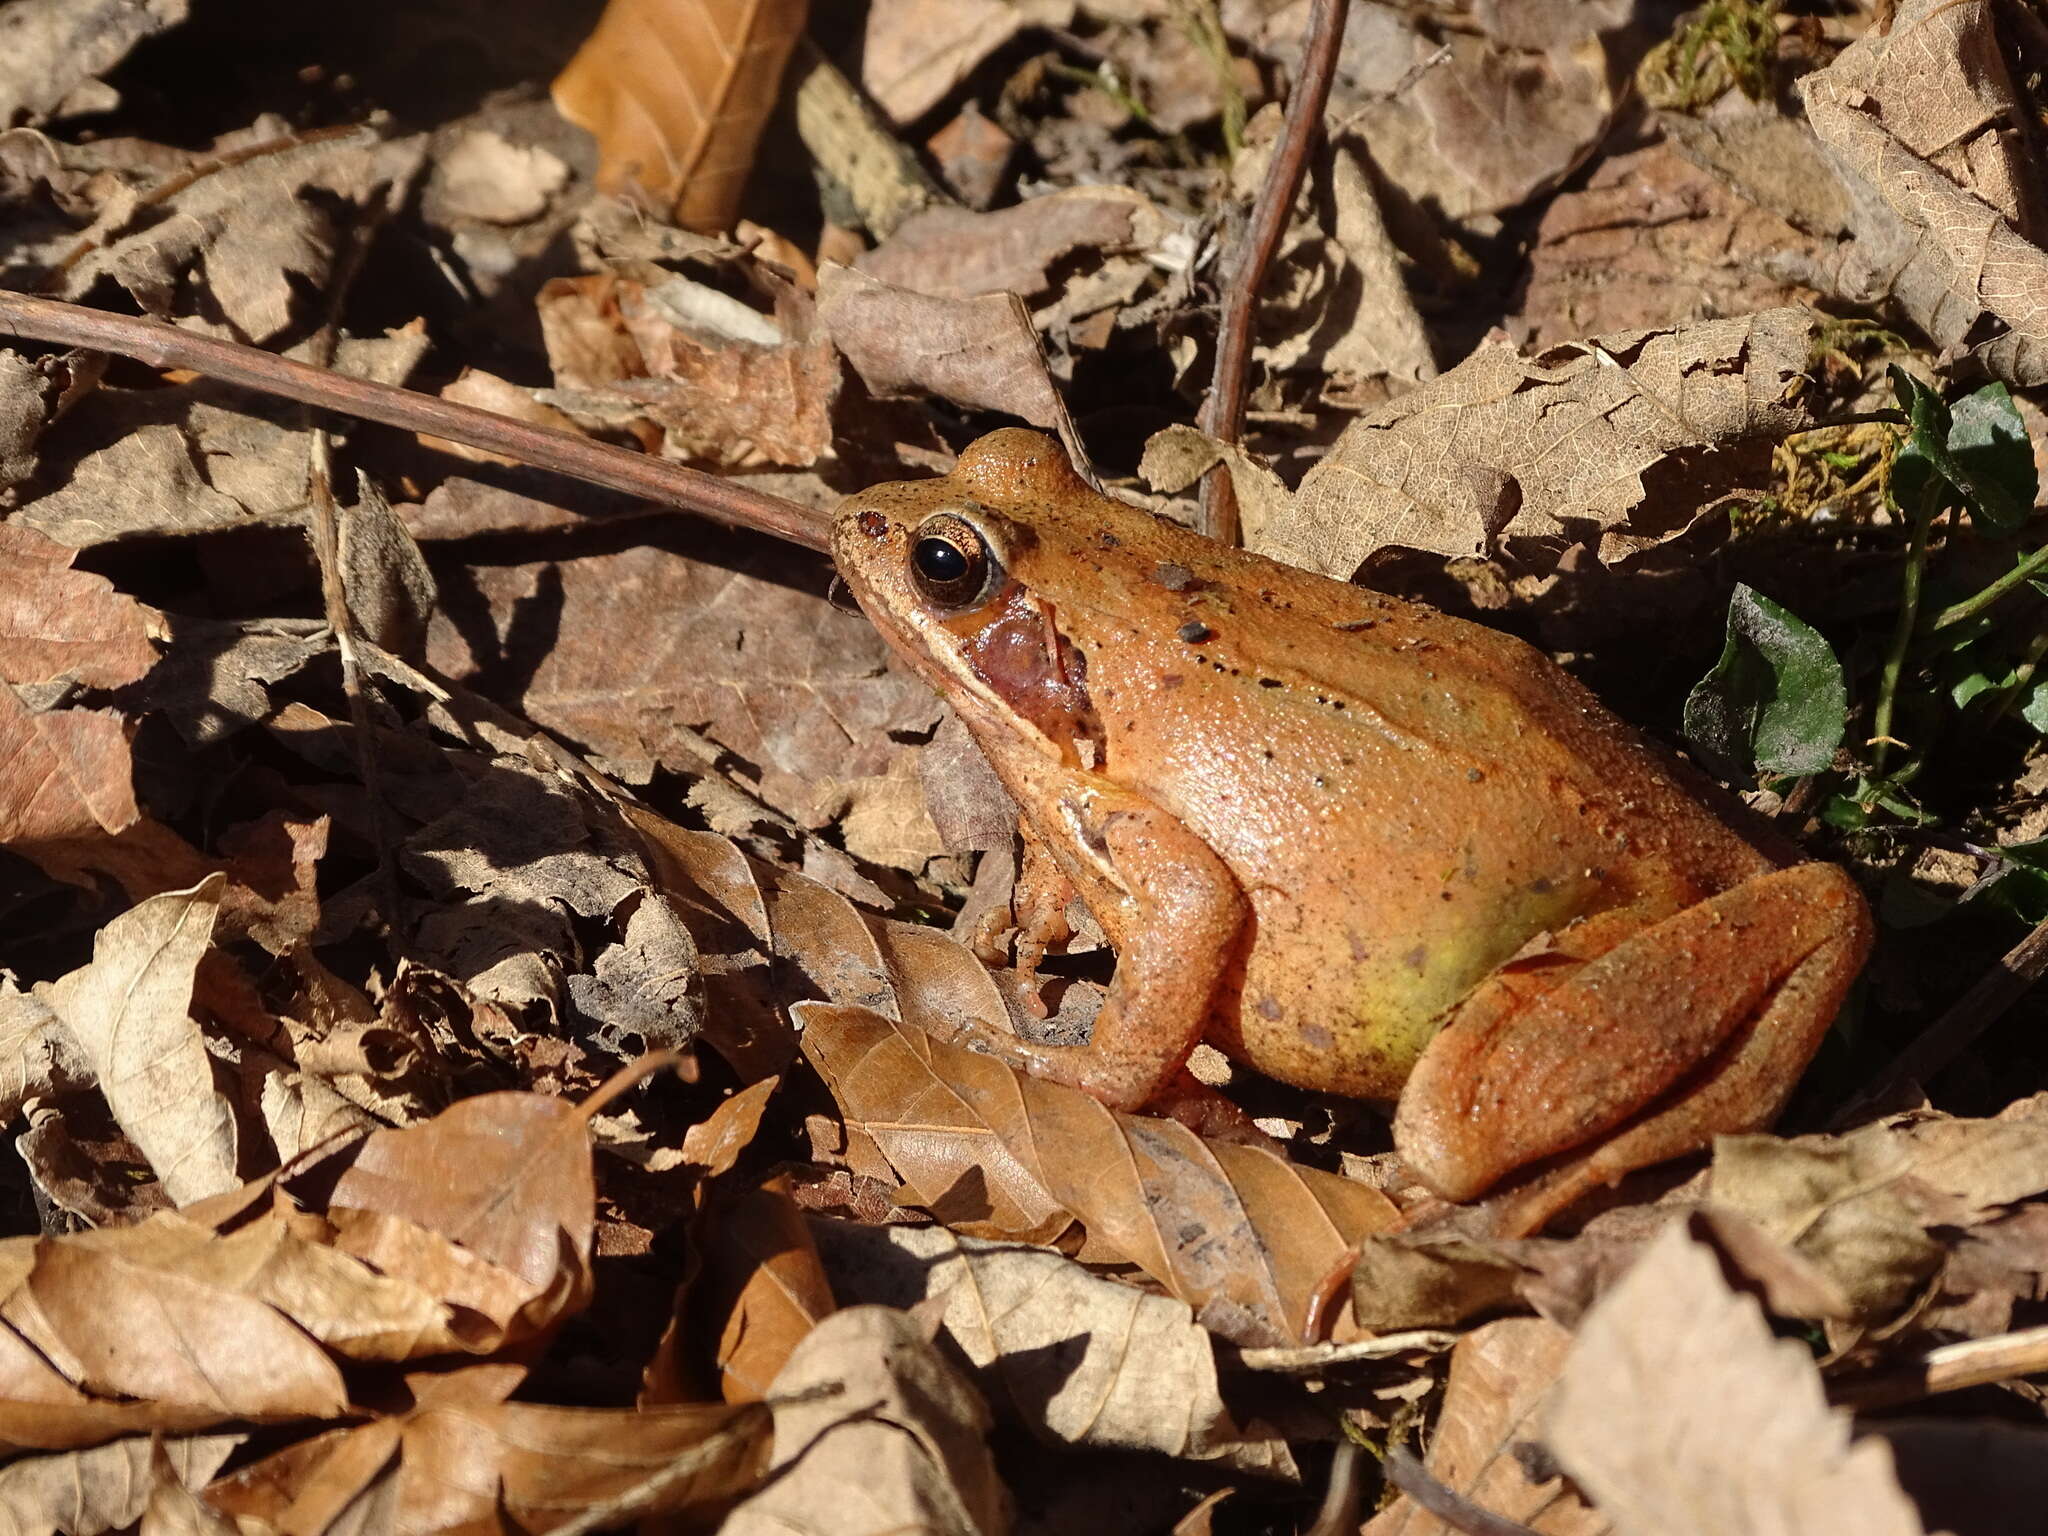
(1357, 844)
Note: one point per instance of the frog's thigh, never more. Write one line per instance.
(1183, 929)
(1724, 1002)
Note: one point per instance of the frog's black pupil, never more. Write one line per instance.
(940, 560)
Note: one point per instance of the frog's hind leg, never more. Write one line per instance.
(1693, 1027)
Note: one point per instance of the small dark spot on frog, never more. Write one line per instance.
(873, 524)
(1359, 953)
(1321, 782)
(1194, 632)
(1266, 753)
(1474, 776)
(1269, 1007)
(1416, 958)
(1109, 541)
(1270, 682)
(1172, 680)
(1542, 885)
(1355, 625)
(1175, 577)
(1317, 1037)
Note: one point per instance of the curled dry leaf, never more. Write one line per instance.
(723, 385)
(949, 251)
(1075, 1358)
(1501, 1375)
(1611, 437)
(106, 1488)
(772, 938)
(764, 1286)
(241, 231)
(980, 353)
(456, 1238)
(874, 1433)
(676, 93)
(129, 1013)
(463, 1459)
(1678, 1411)
(1949, 199)
(1242, 1235)
(1838, 1204)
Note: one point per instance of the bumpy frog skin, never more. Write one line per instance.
(1357, 844)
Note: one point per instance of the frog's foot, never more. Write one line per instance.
(1186, 926)
(1694, 1027)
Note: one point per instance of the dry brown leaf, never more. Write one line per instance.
(686, 636)
(473, 386)
(762, 1287)
(980, 353)
(1837, 1203)
(772, 937)
(82, 1493)
(130, 1013)
(1242, 1235)
(243, 233)
(1678, 1411)
(1526, 94)
(1501, 1375)
(59, 624)
(875, 1433)
(1950, 201)
(949, 251)
(172, 461)
(916, 51)
(67, 801)
(55, 48)
(1617, 437)
(525, 1201)
(676, 93)
(1075, 1358)
(464, 1460)
(713, 380)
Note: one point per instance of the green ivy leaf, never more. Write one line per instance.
(1988, 441)
(1979, 449)
(1775, 700)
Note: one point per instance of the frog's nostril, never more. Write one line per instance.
(873, 524)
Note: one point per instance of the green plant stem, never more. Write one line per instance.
(1902, 631)
(1970, 607)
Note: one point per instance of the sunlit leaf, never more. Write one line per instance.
(1775, 700)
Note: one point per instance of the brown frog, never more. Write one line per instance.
(1357, 844)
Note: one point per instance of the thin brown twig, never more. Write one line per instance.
(1956, 1030)
(323, 530)
(1223, 412)
(637, 474)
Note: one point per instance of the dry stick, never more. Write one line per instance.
(1947, 1368)
(1957, 1030)
(1223, 412)
(618, 469)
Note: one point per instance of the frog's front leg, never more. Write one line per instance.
(1178, 919)
(1693, 1027)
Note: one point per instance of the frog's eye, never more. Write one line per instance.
(951, 562)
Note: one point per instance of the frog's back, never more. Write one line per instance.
(1408, 799)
